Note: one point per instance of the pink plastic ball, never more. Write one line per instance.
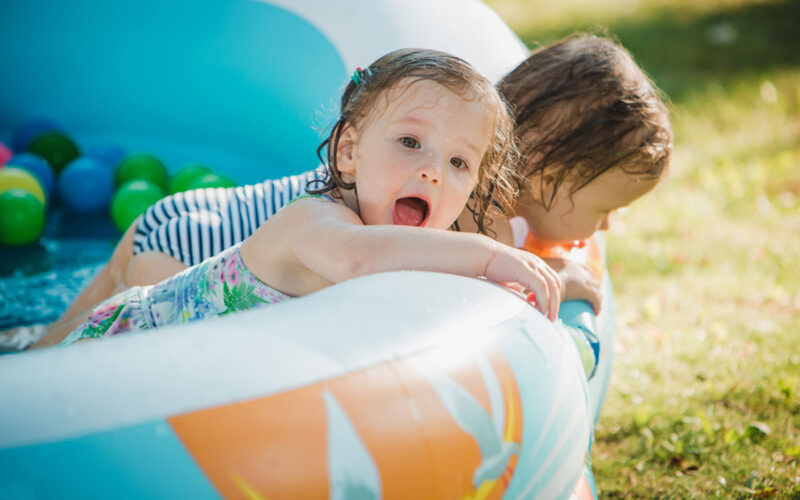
(5, 154)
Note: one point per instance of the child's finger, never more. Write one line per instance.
(553, 290)
(558, 291)
(555, 303)
(541, 295)
(514, 286)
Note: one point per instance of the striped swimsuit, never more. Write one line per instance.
(195, 225)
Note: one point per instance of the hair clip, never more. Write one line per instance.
(360, 75)
(357, 77)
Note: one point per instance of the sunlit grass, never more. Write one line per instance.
(705, 395)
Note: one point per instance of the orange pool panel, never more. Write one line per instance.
(281, 446)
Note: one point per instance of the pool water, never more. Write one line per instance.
(39, 281)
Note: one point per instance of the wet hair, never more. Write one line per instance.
(583, 107)
(496, 186)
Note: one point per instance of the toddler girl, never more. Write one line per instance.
(420, 131)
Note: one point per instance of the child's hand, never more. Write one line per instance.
(524, 293)
(578, 282)
(532, 273)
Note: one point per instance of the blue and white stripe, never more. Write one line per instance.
(195, 225)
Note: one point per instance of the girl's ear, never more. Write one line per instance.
(346, 151)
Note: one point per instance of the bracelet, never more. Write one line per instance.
(491, 258)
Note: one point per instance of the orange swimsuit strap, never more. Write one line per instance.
(583, 251)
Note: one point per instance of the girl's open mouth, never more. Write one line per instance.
(411, 211)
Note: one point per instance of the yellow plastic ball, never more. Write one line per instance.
(12, 177)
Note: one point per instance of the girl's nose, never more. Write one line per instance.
(430, 172)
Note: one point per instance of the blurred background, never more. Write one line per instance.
(705, 393)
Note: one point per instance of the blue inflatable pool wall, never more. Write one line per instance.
(242, 86)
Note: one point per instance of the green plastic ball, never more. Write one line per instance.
(211, 180)
(141, 166)
(131, 200)
(185, 176)
(13, 177)
(21, 217)
(56, 148)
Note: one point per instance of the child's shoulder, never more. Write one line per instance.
(316, 206)
(312, 196)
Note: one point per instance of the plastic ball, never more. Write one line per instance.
(5, 154)
(141, 166)
(21, 217)
(110, 154)
(132, 199)
(37, 166)
(211, 180)
(85, 185)
(12, 177)
(28, 131)
(185, 176)
(56, 148)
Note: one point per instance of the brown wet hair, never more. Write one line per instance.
(496, 188)
(583, 107)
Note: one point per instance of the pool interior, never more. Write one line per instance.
(244, 87)
(39, 281)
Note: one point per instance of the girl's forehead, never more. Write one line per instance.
(420, 96)
(618, 188)
(614, 188)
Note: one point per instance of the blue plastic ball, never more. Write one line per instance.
(28, 131)
(110, 154)
(85, 185)
(36, 165)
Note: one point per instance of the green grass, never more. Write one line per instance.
(705, 394)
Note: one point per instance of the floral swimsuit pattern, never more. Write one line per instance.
(219, 285)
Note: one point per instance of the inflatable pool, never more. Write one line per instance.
(437, 395)
(443, 387)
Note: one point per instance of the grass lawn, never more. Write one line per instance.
(705, 395)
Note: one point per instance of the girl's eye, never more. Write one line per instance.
(458, 163)
(409, 142)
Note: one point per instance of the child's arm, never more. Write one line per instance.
(313, 243)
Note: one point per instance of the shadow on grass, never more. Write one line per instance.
(686, 53)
